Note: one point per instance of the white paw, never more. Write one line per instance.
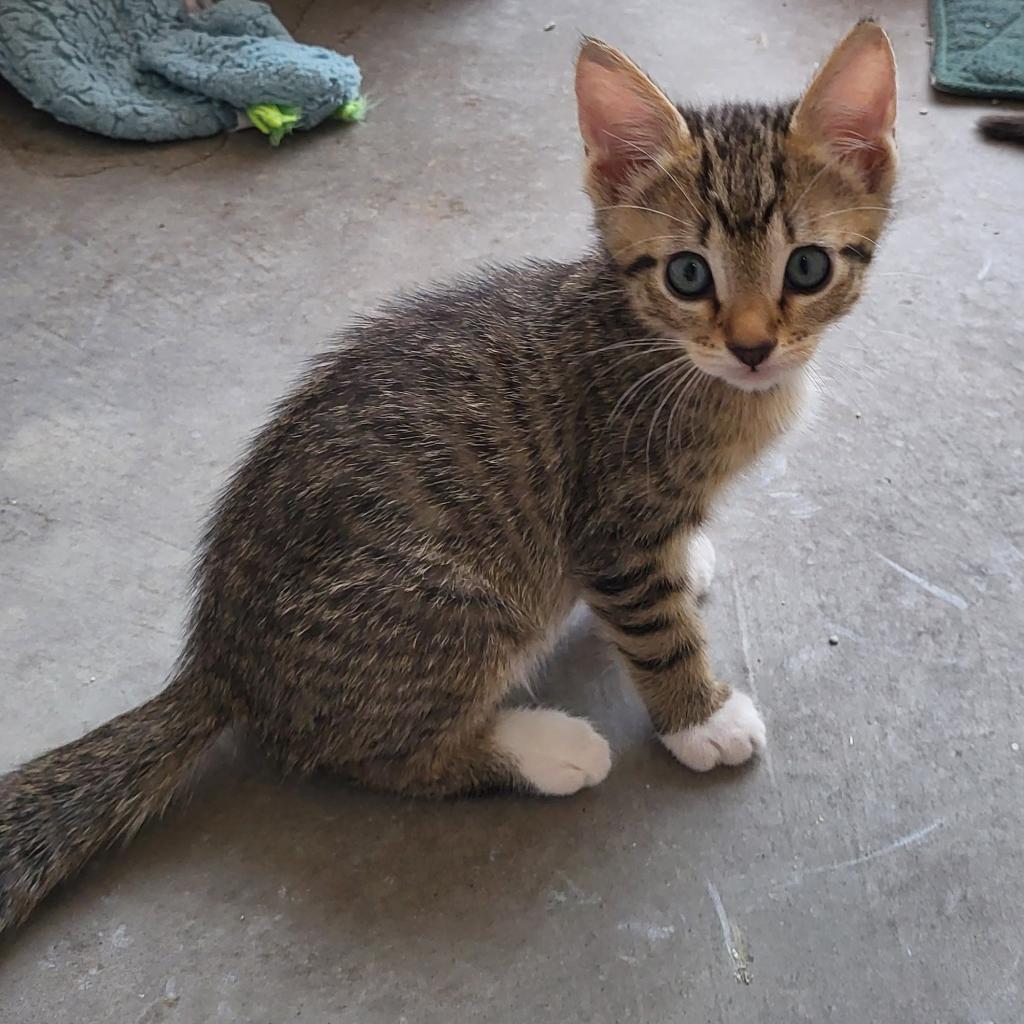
(732, 735)
(556, 753)
(700, 563)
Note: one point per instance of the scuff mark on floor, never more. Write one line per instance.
(943, 595)
(558, 897)
(740, 958)
(157, 1010)
(652, 932)
(798, 506)
(864, 858)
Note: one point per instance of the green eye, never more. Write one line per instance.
(689, 275)
(808, 269)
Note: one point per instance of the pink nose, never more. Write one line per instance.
(752, 355)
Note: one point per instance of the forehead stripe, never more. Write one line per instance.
(644, 262)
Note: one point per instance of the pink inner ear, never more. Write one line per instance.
(853, 109)
(853, 102)
(622, 128)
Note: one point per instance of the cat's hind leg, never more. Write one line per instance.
(533, 750)
(404, 690)
(551, 752)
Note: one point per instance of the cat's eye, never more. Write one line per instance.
(808, 269)
(689, 275)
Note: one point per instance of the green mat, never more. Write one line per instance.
(979, 47)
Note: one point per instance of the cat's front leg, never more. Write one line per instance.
(700, 563)
(650, 609)
(732, 735)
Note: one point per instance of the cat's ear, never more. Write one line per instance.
(850, 106)
(626, 121)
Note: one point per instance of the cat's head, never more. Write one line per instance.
(742, 231)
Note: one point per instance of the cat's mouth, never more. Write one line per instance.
(746, 378)
(760, 378)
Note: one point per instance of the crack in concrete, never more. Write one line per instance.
(199, 160)
(29, 162)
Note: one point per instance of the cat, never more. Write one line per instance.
(405, 538)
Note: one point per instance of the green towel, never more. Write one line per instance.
(979, 47)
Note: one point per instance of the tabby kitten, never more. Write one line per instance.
(405, 538)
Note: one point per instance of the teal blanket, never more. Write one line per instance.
(154, 70)
(979, 47)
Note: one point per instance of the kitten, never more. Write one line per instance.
(406, 536)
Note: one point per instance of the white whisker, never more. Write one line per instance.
(645, 209)
(813, 182)
(691, 380)
(618, 363)
(669, 392)
(873, 241)
(645, 241)
(664, 170)
(633, 388)
(851, 209)
(633, 341)
(663, 385)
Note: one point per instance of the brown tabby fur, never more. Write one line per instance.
(406, 536)
(1003, 127)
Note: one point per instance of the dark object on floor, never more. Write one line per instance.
(979, 47)
(1003, 127)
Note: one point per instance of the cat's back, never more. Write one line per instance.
(433, 409)
(418, 448)
(416, 341)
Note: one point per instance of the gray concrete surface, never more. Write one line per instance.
(155, 300)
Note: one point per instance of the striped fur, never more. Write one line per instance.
(405, 537)
(1003, 127)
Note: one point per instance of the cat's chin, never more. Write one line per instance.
(754, 381)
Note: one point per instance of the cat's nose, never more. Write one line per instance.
(751, 355)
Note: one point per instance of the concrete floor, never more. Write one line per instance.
(156, 300)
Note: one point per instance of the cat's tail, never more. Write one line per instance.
(63, 807)
(1003, 127)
